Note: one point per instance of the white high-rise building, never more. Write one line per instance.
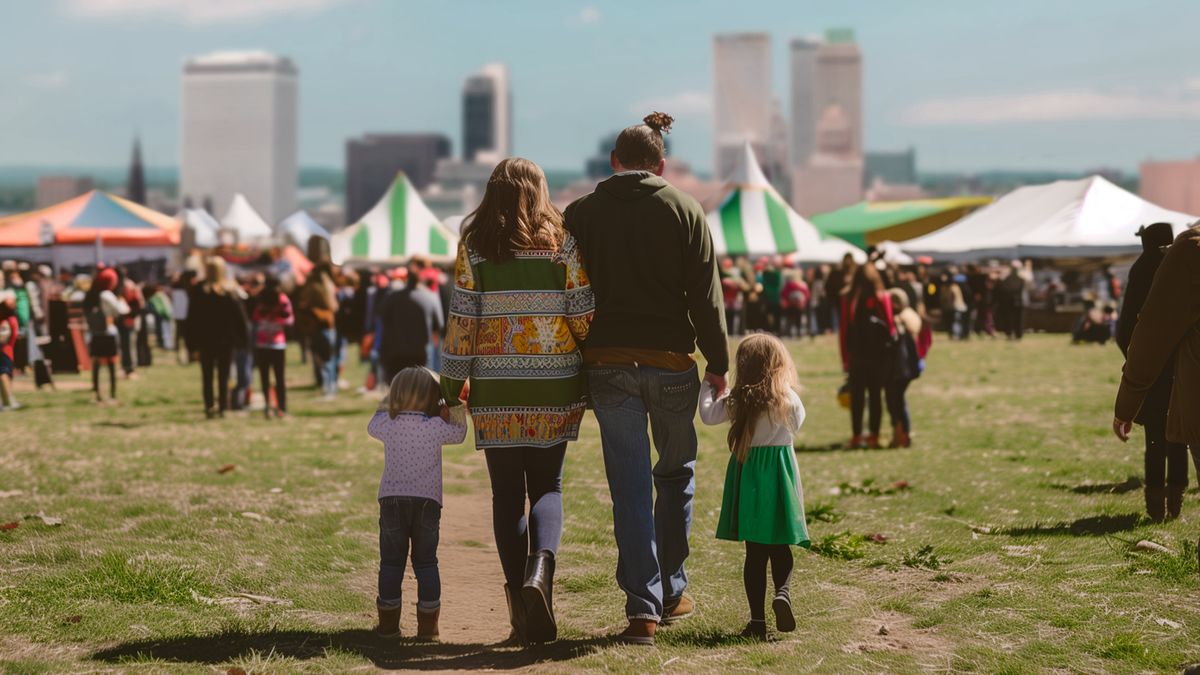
(487, 115)
(825, 74)
(741, 97)
(239, 132)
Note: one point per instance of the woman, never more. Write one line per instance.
(272, 316)
(867, 333)
(103, 310)
(217, 324)
(318, 314)
(521, 306)
(912, 343)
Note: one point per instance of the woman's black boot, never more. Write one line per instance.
(538, 594)
(516, 617)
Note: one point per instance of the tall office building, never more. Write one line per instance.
(239, 131)
(741, 97)
(825, 73)
(373, 161)
(135, 185)
(487, 115)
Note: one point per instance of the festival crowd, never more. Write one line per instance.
(548, 314)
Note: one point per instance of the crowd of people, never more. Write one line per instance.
(548, 314)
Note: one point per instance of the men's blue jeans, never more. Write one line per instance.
(652, 536)
(409, 524)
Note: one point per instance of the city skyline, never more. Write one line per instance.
(1019, 86)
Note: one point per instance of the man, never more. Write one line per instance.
(1167, 326)
(650, 257)
(409, 317)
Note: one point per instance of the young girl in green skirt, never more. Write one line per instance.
(764, 503)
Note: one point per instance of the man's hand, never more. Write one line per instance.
(717, 381)
(465, 394)
(1122, 428)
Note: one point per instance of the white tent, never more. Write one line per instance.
(455, 223)
(243, 221)
(398, 227)
(1086, 218)
(203, 226)
(299, 227)
(753, 219)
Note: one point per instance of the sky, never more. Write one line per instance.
(1017, 84)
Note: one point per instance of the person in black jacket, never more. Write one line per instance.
(1166, 462)
(217, 324)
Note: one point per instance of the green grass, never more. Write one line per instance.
(999, 543)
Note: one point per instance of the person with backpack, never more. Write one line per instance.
(103, 310)
(913, 338)
(867, 338)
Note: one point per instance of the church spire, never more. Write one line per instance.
(135, 187)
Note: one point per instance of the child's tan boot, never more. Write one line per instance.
(427, 623)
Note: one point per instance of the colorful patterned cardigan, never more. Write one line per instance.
(515, 329)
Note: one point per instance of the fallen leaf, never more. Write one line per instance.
(900, 485)
(52, 521)
(255, 516)
(73, 619)
(235, 671)
(1169, 623)
(276, 491)
(883, 630)
(227, 468)
(9, 526)
(10, 493)
(878, 538)
(1150, 546)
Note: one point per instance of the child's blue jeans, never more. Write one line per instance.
(409, 524)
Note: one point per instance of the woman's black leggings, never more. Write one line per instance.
(112, 377)
(754, 573)
(1166, 462)
(218, 358)
(272, 360)
(866, 390)
(517, 473)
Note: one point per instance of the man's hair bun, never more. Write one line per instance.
(659, 121)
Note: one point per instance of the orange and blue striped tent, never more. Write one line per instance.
(86, 219)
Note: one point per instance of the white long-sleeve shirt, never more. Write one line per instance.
(767, 432)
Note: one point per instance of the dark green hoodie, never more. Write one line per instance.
(653, 270)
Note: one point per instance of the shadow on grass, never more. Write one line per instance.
(836, 447)
(326, 412)
(111, 424)
(1084, 527)
(389, 654)
(1128, 485)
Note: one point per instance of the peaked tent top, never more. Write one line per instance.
(870, 223)
(243, 219)
(203, 225)
(84, 219)
(398, 227)
(753, 219)
(1089, 217)
(300, 227)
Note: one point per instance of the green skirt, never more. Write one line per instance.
(763, 501)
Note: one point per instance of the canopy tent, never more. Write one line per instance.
(244, 221)
(1087, 218)
(869, 223)
(890, 252)
(455, 224)
(292, 261)
(754, 220)
(398, 227)
(89, 227)
(203, 226)
(299, 227)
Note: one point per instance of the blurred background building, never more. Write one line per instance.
(745, 107)
(1172, 185)
(239, 132)
(487, 115)
(54, 189)
(373, 161)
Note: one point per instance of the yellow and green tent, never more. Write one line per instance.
(872, 223)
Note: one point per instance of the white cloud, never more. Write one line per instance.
(1068, 105)
(55, 79)
(695, 103)
(588, 16)
(193, 11)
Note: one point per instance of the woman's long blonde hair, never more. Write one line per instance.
(764, 375)
(516, 214)
(216, 279)
(414, 389)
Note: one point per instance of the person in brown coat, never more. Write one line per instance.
(1168, 324)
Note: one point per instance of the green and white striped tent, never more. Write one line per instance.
(398, 227)
(753, 220)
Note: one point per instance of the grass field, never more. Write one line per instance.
(1006, 537)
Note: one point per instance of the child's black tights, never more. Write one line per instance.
(754, 573)
(112, 378)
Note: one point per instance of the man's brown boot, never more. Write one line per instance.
(389, 623)
(1156, 503)
(680, 609)
(1175, 500)
(639, 632)
(427, 623)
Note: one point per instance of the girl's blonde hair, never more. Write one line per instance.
(216, 279)
(764, 375)
(414, 389)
